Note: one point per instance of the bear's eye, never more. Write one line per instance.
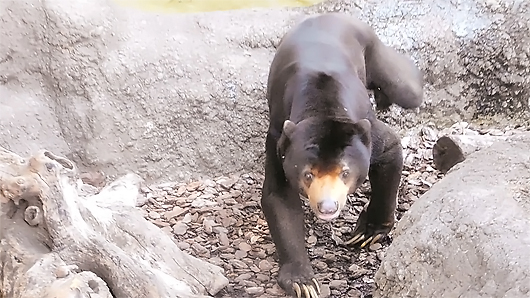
(308, 176)
(345, 174)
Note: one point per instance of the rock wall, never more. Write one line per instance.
(475, 55)
(468, 235)
(179, 96)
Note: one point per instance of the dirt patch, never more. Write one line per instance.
(221, 221)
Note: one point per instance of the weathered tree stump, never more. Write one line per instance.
(60, 238)
(450, 150)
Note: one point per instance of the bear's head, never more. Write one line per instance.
(327, 159)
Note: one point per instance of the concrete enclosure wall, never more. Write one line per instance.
(178, 96)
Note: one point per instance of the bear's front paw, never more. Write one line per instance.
(369, 232)
(298, 280)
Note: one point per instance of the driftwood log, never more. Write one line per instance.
(450, 150)
(61, 238)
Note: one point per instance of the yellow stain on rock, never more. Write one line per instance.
(191, 6)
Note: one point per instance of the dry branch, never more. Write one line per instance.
(450, 150)
(60, 241)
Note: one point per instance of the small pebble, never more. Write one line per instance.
(275, 290)
(248, 283)
(180, 228)
(187, 218)
(199, 248)
(193, 186)
(354, 293)
(223, 239)
(239, 254)
(160, 223)
(337, 284)
(181, 190)
(227, 183)
(245, 246)
(183, 245)
(325, 291)
(264, 265)
(320, 265)
(255, 290)
(375, 246)
(208, 225)
(175, 212)
(154, 215)
(238, 264)
(255, 269)
(218, 230)
(243, 276)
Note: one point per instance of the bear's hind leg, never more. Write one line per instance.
(377, 219)
(394, 77)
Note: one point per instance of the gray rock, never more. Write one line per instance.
(180, 96)
(468, 235)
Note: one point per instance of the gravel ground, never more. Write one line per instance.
(220, 221)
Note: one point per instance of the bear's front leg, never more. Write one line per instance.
(386, 167)
(285, 217)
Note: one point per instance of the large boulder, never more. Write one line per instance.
(468, 235)
(183, 95)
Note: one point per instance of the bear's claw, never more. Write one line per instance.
(360, 237)
(307, 291)
(297, 279)
(369, 232)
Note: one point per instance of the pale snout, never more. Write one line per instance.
(327, 196)
(328, 207)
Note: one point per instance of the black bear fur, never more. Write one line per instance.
(324, 138)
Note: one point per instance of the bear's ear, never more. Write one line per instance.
(288, 128)
(285, 138)
(363, 129)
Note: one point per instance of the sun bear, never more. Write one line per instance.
(324, 139)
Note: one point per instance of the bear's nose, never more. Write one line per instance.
(328, 206)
